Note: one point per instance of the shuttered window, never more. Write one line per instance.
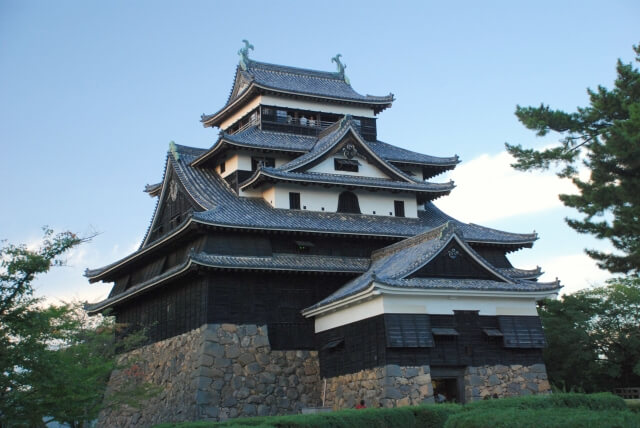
(521, 332)
(348, 203)
(398, 207)
(408, 331)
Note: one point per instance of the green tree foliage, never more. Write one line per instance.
(54, 361)
(594, 337)
(604, 137)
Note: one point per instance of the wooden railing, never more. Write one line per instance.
(628, 393)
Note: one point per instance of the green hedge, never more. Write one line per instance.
(427, 416)
(600, 401)
(543, 418)
(545, 410)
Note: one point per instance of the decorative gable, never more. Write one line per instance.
(454, 261)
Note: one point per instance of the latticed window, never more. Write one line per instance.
(348, 203)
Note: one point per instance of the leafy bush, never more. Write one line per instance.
(601, 401)
(434, 415)
(543, 418)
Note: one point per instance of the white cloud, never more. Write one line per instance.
(576, 271)
(488, 188)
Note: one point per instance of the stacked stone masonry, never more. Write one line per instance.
(388, 386)
(505, 381)
(222, 371)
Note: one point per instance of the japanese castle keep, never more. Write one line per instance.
(300, 261)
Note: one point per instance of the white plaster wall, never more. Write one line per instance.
(433, 305)
(269, 195)
(315, 198)
(255, 102)
(230, 165)
(365, 169)
(272, 100)
(362, 311)
(242, 161)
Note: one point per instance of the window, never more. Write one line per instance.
(281, 116)
(398, 207)
(521, 331)
(294, 200)
(264, 161)
(408, 331)
(348, 203)
(222, 167)
(345, 165)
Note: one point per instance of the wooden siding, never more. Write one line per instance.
(364, 344)
(275, 299)
(454, 262)
(176, 308)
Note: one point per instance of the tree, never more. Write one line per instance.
(594, 337)
(54, 361)
(604, 137)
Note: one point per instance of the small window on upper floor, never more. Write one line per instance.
(281, 116)
(222, 167)
(268, 162)
(398, 207)
(294, 200)
(350, 165)
(348, 203)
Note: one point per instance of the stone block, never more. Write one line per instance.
(494, 380)
(251, 329)
(221, 362)
(231, 328)
(393, 370)
(392, 393)
(403, 402)
(267, 378)
(411, 372)
(243, 392)
(254, 368)
(423, 379)
(263, 410)
(476, 380)
(538, 368)
(232, 351)
(249, 410)
(246, 358)
(544, 386)
(229, 401)
(500, 369)
(205, 360)
(260, 341)
(213, 349)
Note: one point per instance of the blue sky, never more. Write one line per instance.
(92, 92)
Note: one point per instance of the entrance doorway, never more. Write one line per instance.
(448, 384)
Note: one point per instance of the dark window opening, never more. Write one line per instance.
(350, 165)
(294, 200)
(348, 203)
(263, 161)
(398, 207)
(222, 167)
(303, 246)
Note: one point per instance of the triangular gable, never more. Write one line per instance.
(455, 259)
(172, 207)
(241, 83)
(346, 141)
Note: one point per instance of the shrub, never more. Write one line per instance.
(601, 401)
(543, 418)
(434, 415)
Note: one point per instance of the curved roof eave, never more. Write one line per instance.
(254, 88)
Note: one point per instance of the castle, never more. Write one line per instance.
(301, 262)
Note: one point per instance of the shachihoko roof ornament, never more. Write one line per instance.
(244, 54)
(341, 68)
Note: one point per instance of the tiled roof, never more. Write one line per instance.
(254, 137)
(304, 81)
(348, 180)
(278, 262)
(300, 81)
(397, 154)
(521, 273)
(393, 265)
(222, 207)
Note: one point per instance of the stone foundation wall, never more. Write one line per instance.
(216, 372)
(388, 386)
(505, 381)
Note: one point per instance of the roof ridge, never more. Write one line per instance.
(446, 229)
(294, 70)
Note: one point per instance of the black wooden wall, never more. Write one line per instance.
(366, 343)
